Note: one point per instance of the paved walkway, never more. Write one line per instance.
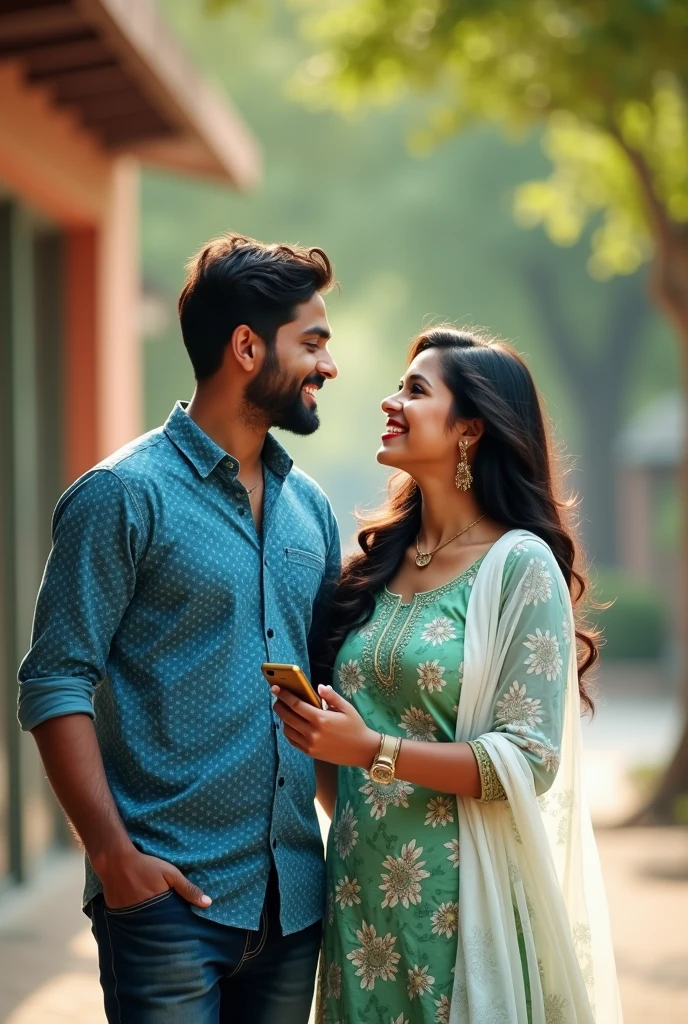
(48, 967)
(48, 971)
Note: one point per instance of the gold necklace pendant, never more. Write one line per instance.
(424, 558)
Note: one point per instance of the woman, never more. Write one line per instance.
(463, 882)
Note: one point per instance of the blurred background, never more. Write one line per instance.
(520, 166)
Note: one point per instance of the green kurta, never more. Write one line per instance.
(390, 939)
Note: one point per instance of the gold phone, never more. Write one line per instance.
(291, 678)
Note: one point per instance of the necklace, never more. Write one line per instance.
(424, 558)
(252, 489)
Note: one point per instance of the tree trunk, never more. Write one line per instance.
(662, 808)
(599, 381)
(669, 288)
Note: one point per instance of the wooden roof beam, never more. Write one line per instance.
(131, 130)
(92, 108)
(207, 122)
(54, 57)
(87, 82)
(50, 21)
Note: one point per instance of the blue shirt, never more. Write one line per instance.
(159, 603)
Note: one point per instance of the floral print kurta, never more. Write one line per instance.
(390, 938)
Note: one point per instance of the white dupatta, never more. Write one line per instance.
(538, 855)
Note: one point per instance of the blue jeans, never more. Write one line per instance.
(162, 964)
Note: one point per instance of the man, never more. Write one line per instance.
(179, 565)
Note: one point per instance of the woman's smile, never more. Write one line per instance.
(393, 429)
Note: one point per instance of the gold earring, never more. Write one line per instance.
(464, 477)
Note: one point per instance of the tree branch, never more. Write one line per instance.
(660, 222)
(670, 272)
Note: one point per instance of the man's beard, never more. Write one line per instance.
(275, 397)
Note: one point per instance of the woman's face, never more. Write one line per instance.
(417, 436)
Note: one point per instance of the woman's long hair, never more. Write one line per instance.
(513, 485)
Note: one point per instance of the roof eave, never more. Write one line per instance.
(215, 142)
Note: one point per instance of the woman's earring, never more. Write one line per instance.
(464, 477)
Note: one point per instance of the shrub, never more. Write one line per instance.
(636, 625)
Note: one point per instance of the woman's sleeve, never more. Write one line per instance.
(529, 707)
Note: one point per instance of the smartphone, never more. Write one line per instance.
(291, 678)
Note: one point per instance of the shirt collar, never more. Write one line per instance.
(276, 457)
(200, 450)
(205, 455)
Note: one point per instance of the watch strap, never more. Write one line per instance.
(388, 752)
(389, 748)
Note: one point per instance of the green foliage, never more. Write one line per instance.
(636, 624)
(593, 174)
(412, 241)
(646, 778)
(680, 809)
(215, 6)
(602, 78)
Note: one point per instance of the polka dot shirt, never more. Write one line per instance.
(158, 605)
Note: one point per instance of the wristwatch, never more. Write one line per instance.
(382, 768)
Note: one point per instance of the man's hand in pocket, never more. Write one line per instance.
(135, 877)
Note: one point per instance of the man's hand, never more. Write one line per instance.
(73, 762)
(134, 877)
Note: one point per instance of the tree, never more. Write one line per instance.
(606, 80)
(598, 379)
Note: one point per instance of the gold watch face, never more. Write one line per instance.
(382, 773)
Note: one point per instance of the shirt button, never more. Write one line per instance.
(242, 511)
(271, 633)
(280, 781)
(274, 844)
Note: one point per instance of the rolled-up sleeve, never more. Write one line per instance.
(88, 583)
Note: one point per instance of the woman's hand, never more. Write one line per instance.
(338, 735)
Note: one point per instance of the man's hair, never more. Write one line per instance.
(236, 280)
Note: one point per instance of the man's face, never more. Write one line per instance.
(295, 368)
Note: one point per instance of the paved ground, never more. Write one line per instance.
(48, 969)
(48, 972)
(646, 873)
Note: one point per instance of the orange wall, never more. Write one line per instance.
(46, 157)
(80, 357)
(53, 165)
(120, 386)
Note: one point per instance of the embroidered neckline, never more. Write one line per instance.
(424, 597)
(386, 645)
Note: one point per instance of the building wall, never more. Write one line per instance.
(30, 463)
(54, 166)
(70, 383)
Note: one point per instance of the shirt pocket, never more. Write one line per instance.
(305, 571)
(296, 556)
